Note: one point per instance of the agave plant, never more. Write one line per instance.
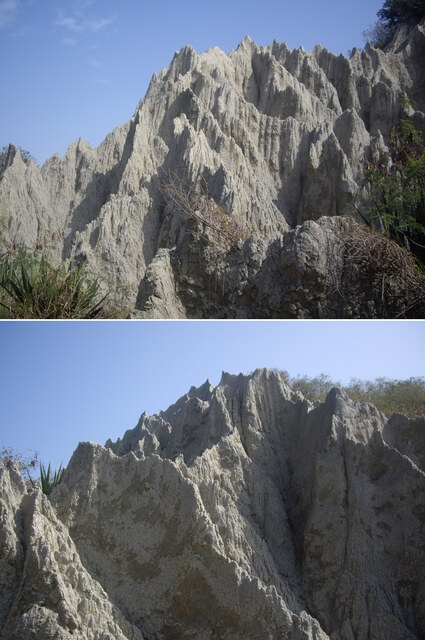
(31, 287)
(48, 479)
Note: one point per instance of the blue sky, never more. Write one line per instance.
(65, 382)
(77, 68)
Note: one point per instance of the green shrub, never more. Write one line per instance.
(395, 200)
(31, 287)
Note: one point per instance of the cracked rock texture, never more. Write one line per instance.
(241, 512)
(278, 137)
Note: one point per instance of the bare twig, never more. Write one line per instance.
(370, 253)
(204, 209)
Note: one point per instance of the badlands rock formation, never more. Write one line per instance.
(241, 512)
(276, 138)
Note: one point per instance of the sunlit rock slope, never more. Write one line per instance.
(274, 137)
(241, 512)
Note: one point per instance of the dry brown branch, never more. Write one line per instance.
(371, 255)
(204, 209)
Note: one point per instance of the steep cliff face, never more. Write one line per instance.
(277, 137)
(243, 511)
(45, 590)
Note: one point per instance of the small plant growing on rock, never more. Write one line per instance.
(48, 479)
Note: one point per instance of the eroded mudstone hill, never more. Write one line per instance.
(277, 139)
(241, 512)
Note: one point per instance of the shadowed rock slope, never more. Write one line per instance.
(274, 137)
(241, 512)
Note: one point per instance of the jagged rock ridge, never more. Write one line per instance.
(278, 137)
(243, 511)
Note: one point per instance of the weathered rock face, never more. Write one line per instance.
(45, 590)
(278, 137)
(243, 511)
(329, 268)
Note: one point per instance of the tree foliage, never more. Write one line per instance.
(379, 34)
(25, 155)
(393, 14)
(390, 396)
(396, 12)
(395, 202)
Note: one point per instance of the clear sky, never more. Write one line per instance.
(78, 68)
(65, 382)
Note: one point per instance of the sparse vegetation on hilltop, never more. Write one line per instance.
(389, 396)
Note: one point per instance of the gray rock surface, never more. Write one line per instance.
(45, 590)
(329, 268)
(278, 137)
(242, 511)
